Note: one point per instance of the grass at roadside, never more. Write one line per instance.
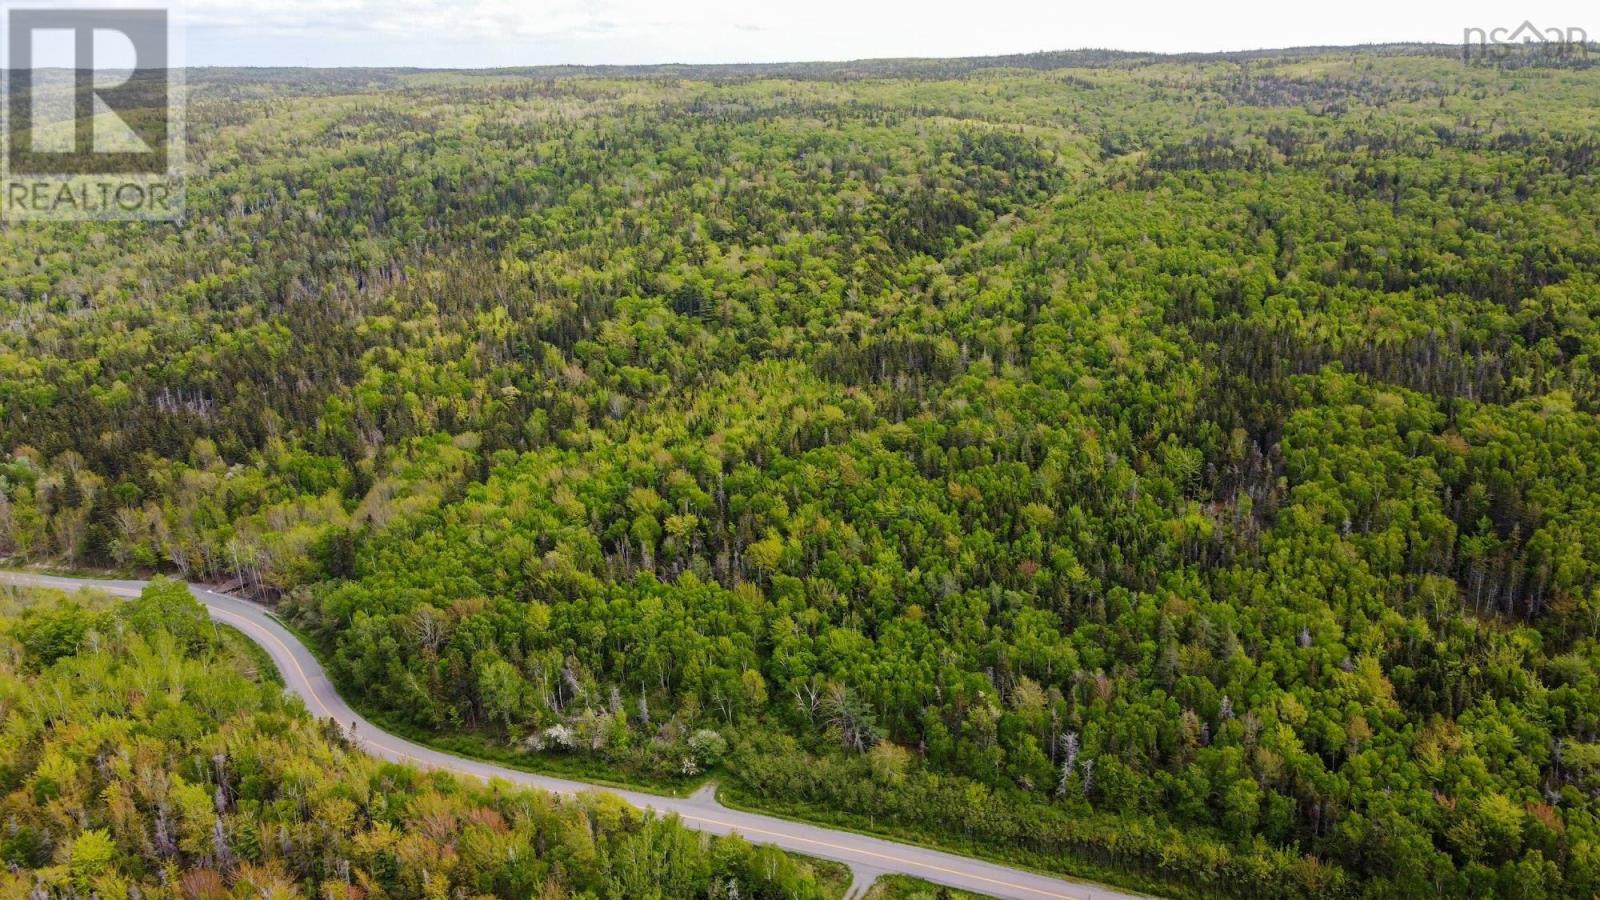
(236, 641)
(13, 564)
(731, 796)
(903, 887)
(834, 877)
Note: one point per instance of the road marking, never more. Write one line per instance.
(262, 631)
(909, 867)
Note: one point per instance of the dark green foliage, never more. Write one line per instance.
(151, 764)
(1182, 466)
(49, 633)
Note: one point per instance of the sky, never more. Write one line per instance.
(491, 33)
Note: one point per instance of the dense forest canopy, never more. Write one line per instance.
(1180, 467)
(149, 755)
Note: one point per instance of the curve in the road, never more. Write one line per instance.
(867, 857)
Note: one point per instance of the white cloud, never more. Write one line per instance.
(520, 32)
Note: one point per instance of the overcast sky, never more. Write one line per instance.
(470, 33)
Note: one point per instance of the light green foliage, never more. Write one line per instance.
(167, 606)
(707, 747)
(152, 764)
(1187, 468)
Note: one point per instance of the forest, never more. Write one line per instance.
(1179, 471)
(149, 754)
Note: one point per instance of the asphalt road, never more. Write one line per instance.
(867, 857)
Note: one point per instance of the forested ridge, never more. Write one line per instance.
(1187, 468)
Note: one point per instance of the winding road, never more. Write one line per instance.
(867, 857)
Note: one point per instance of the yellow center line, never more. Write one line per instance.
(261, 632)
